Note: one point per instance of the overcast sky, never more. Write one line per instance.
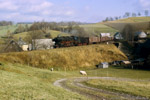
(68, 10)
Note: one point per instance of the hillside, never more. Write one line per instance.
(53, 33)
(5, 29)
(132, 20)
(21, 82)
(67, 58)
(11, 28)
(98, 28)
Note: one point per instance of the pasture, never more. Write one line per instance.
(52, 32)
(96, 29)
(5, 29)
(25, 82)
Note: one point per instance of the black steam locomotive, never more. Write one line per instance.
(69, 41)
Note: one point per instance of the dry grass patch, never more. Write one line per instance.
(67, 58)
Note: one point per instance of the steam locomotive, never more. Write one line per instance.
(69, 41)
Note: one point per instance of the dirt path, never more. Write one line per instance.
(75, 85)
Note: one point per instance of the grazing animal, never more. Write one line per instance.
(52, 69)
(83, 72)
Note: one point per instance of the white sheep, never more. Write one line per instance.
(83, 72)
(52, 69)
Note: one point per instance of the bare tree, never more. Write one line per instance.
(133, 14)
(139, 14)
(128, 33)
(32, 35)
(146, 12)
(116, 18)
(127, 14)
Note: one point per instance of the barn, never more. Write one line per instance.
(12, 46)
(42, 44)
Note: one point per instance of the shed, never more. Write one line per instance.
(103, 65)
(25, 47)
(140, 34)
(12, 47)
(118, 36)
(126, 62)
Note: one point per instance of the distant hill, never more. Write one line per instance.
(132, 20)
(97, 28)
(137, 23)
(53, 33)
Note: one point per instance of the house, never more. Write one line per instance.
(12, 46)
(105, 35)
(41, 44)
(103, 65)
(138, 62)
(23, 45)
(118, 36)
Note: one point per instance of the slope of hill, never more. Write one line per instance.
(53, 33)
(98, 28)
(132, 20)
(5, 29)
(67, 58)
(10, 28)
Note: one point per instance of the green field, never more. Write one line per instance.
(141, 88)
(98, 28)
(133, 19)
(5, 29)
(53, 34)
(11, 28)
(24, 82)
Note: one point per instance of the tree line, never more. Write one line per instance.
(5, 23)
(126, 15)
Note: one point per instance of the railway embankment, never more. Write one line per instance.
(66, 58)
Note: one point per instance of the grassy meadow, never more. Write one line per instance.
(98, 28)
(53, 34)
(4, 29)
(11, 28)
(138, 88)
(22, 82)
(133, 19)
(67, 58)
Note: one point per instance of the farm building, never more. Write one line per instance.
(41, 44)
(23, 45)
(12, 47)
(125, 63)
(103, 65)
(118, 36)
(105, 35)
(21, 42)
(138, 62)
(140, 34)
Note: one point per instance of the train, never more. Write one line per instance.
(68, 41)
